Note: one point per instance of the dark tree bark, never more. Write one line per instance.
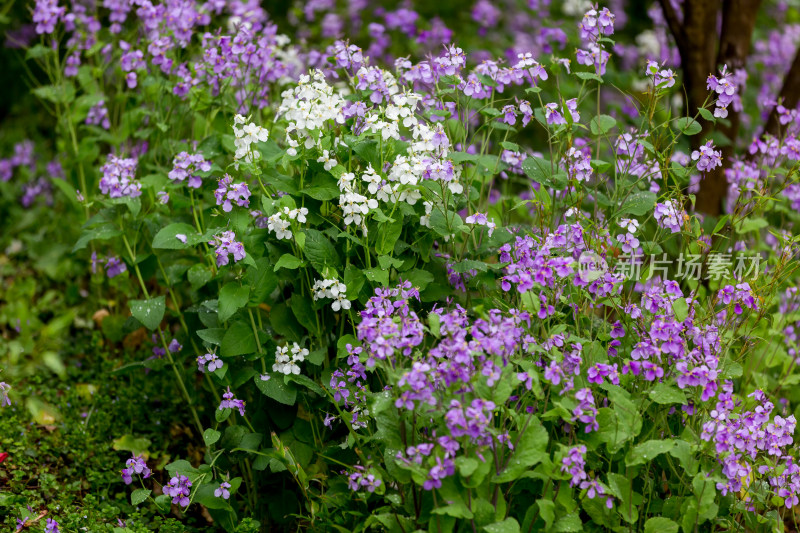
(702, 50)
(738, 21)
(789, 96)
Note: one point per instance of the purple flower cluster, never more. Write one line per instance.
(670, 215)
(186, 166)
(98, 115)
(360, 480)
(209, 362)
(707, 157)
(135, 465)
(228, 193)
(118, 178)
(179, 489)
(229, 402)
(741, 295)
(226, 245)
(725, 87)
(595, 25)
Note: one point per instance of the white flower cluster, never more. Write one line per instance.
(333, 289)
(307, 108)
(354, 205)
(245, 134)
(280, 223)
(387, 120)
(286, 363)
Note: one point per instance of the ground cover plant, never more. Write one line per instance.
(346, 266)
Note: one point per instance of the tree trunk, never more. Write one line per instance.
(738, 21)
(790, 95)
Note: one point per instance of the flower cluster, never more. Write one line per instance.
(280, 223)
(333, 289)
(225, 246)
(228, 193)
(135, 465)
(179, 489)
(186, 167)
(118, 179)
(670, 215)
(286, 362)
(245, 135)
(229, 402)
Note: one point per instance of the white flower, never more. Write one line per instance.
(328, 161)
(286, 363)
(332, 289)
(629, 224)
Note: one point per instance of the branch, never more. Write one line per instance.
(789, 96)
(674, 24)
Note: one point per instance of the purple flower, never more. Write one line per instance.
(135, 465)
(186, 166)
(229, 402)
(51, 526)
(574, 464)
(210, 362)
(707, 158)
(226, 245)
(46, 15)
(223, 491)
(179, 489)
(670, 215)
(228, 193)
(118, 178)
(174, 346)
(4, 388)
(115, 267)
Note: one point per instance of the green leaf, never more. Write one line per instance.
(621, 488)
(232, 297)
(529, 451)
(289, 262)
(205, 497)
(304, 312)
(149, 312)
(129, 443)
(509, 525)
(276, 388)
(377, 275)
(262, 280)
(319, 251)
(139, 495)
(589, 76)
(166, 238)
(210, 436)
(238, 340)
(540, 170)
(665, 394)
(388, 233)
(706, 114)
(681, 309)
(659, 524)
(688, 126)
(602, 124)
(102, 232)
(648, 450)
(57, 94)
(639, 203)
(419, 278)
(198, 275)
(284, 322)
(751, 224)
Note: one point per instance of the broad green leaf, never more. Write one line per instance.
(238, 340)
(750, 224)
(648, 450)
(638, 203)
(289, 262)
(198, 275)
(149, 312)
(276, 388)
(167, 237)
(529, 451)
(602, 124)
(665, 394)
(688, 126)
(232, 297)
(102, 232)
(57, 94)
(660, 524)
(589, 76)
(262, 280)
(319, 251)
(139, 495)
(509, 525)
(210, 436)
(681, 309)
